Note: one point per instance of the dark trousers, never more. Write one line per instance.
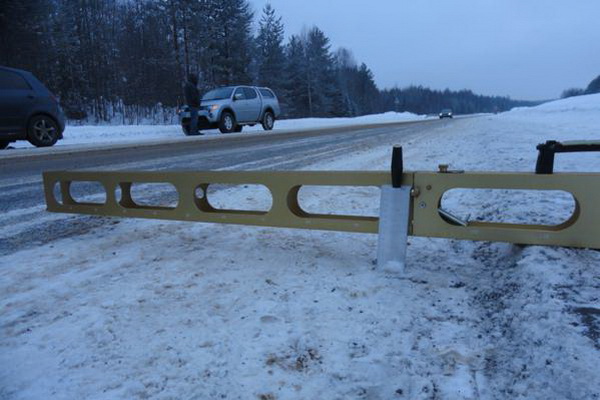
(194, 120)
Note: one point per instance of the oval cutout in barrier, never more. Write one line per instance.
(154, 195)
(250, 197)
(56, 192)
(360, 201)
(508, 206)
(87, 192)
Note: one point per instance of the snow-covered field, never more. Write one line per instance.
(171, 310)
(102, 134)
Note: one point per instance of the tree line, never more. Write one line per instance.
(115, 59)
(592, 88)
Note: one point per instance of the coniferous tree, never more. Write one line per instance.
(572, 92)
(271, 58)
(345, 66)
(367, 94)
(231, 31)
(320, 77)
(594, 86)
(295, 82)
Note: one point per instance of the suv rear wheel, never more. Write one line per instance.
(268, 121)
(42, 131)
(227, 123)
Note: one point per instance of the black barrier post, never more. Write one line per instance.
(397, 167)
(545, 160)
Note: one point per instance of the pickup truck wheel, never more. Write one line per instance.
(268, 121)
(185, 127)
(227, 122)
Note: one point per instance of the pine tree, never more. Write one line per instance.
(367, 93)
(594, 86)
(320, 77)
(271, 58)
(295, 82)
(346, 69)
(231, 23)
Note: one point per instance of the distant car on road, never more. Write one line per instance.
(230, 108)
(446, 113)
(28, 111)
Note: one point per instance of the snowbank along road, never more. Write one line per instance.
(152, 309)
(77, 136)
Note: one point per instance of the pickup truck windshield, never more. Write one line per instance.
(218, 94)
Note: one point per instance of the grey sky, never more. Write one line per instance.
(527, 49)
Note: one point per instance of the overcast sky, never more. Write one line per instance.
(526, 49)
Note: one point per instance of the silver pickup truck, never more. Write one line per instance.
(230, 108)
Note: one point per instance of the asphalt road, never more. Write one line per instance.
(24, 221)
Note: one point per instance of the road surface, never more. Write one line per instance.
(26, 223)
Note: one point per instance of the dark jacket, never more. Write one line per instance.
(192, 95)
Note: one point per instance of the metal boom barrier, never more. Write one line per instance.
(411, 202)
(422, 209)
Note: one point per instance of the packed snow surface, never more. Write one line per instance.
(170, 310)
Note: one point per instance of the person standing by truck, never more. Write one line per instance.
(192, 99)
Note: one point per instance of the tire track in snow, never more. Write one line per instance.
(531, 339)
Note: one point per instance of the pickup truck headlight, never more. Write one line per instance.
(214, 107)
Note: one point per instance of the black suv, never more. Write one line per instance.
(28, 111)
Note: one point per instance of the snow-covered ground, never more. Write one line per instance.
(171, 310)
(106, 134)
